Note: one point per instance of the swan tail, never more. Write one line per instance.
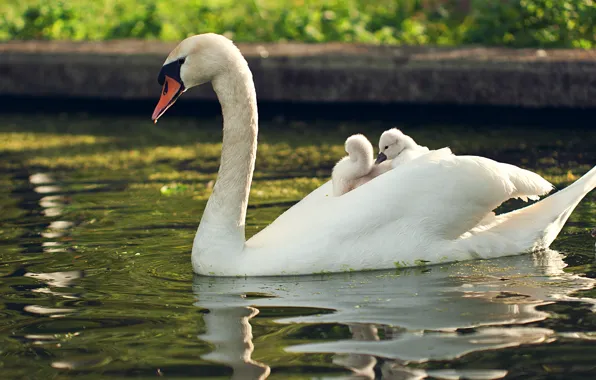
(530, 228)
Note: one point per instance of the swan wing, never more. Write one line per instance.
(530, 228)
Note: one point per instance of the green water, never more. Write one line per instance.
(96, 280)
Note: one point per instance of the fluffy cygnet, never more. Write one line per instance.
(398, 147)
(357, 167)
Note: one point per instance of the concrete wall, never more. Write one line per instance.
(315, 73)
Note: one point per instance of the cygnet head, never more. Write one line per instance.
(359, 148)
(196, 60)
(392, 143)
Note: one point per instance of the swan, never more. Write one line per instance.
(357, 167)
(398, 147)
(431, 217)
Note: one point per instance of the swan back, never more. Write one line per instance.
(357, 164)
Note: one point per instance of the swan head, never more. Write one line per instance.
(358, 147)
(196, 60)
(593, 232)
(391, 144)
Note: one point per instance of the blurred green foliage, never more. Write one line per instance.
(519, 23)
(545, 23)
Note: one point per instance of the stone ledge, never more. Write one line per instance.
(334, 72)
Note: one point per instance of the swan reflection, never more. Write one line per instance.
(362, 365)
(228, 328)
(420, 313)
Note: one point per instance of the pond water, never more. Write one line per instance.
(96, 224)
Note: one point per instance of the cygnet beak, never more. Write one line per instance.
(380, 158)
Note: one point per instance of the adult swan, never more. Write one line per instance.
(436, 208)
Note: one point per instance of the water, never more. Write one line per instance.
(96, 280)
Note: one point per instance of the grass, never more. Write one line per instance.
(517, 23)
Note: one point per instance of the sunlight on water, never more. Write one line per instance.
(96, 281)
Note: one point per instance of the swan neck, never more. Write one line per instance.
(221, 231)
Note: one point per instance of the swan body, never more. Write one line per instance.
(398, 147)
(357, 167)
(434, 208)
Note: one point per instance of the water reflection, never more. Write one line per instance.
(56, 280)
(228, 328)
(430, 313)
(361, 365)
(56, 234)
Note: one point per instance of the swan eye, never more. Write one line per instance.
(181, 60)
(386, 146)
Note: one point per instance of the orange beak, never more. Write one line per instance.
(170, 92)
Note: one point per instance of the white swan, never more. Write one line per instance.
(432, 215)
(398, 147)
(357, 167)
